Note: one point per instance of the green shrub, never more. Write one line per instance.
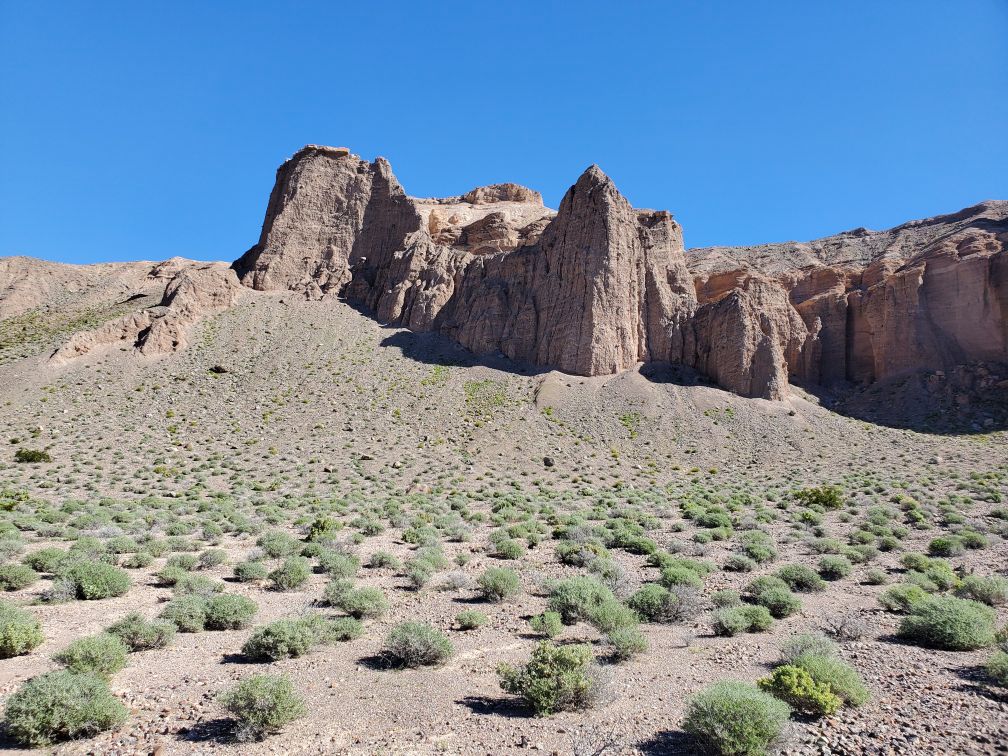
(678, 575)
(499, 584)
(229, 611)
(32, 456)
(731, 717)
(797, 689)
(997, 668)
(610, 615)
(834, 567)
(415, 644)
(293, 573)
(741, 619)
(739, 563)
(46, 560)
(97, 580)
(577, 598)
(946, 546)
(278, 544)
(725, 598)
(876, 577)
(20, 631)
(419, 572)
(509, 548)
(902, 597)
(384, 559)
(801, 578)
(842, 679)
(815, 644)
(14, 577)
(780, 602)
(210, 558)
(471, 619)
(62, 705)
(340, 630)
(250, 571)
(140, 635)
(197, 585)
(187, 613)
(949, 623)
(101, 655)
(652, 603)
(556, 678)
(281, 639)
(262, 705)
(991, 590)
(626, 641)
(138, 560)
(363, 602)
(338, 564)
(549, 624)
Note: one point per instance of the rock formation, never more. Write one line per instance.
(599, 286)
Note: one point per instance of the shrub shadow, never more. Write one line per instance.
(220, 730)
(500, 706)
(671, 742)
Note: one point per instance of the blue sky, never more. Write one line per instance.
(141, 130)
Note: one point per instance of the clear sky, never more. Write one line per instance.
(141, 130)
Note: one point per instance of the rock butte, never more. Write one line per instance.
(599, 287)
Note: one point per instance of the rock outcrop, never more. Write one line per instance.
(599, 286)
(193, 291)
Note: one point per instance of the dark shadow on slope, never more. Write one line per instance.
(502, 706)
(434, 349)
(668, 743)
(967, 400)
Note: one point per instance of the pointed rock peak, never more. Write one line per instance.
(592, 189)
(593, 175)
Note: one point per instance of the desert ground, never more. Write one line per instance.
(283, 414)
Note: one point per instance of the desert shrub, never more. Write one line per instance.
(262, 705)
(20, 631)
(499, 584)
(761, 584)
(46, 560)
(610, 615)
(731, 717)
(102, 655)
(843, 680)
(971, 539)
(14, 577)
(210, 558)
(946, 546)
(32, 456)
(652, 603)
(419, 572)
(197, 585)
(185, 562)
(509, 548)
(97, 580)
(876, 576)
(680, 575)
(949, 623)
(780, 602)
(991, 590)
(250, 571)
(228, 611)
(363, 602)
(384, 559)
(282, 639)
(725, 598)
(758, 546)
(626, 641)
(834, 567)
(277, 544)
(797, 689)
(337, 564)
(170, 574)
(415, 644)
(556, 678)
(801, 578)
(741, 619)
(739, 563)
(802, 644)
(340, 630)
(139, 560)
(293, 573)
(997, 668)
(61, 705)
(187, 613)
(549, 624)
(902, 597)
(845, 627)
(140, 635)
(471, 619)
(577, 598)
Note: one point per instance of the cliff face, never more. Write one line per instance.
(599, 286)
(930, 294)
